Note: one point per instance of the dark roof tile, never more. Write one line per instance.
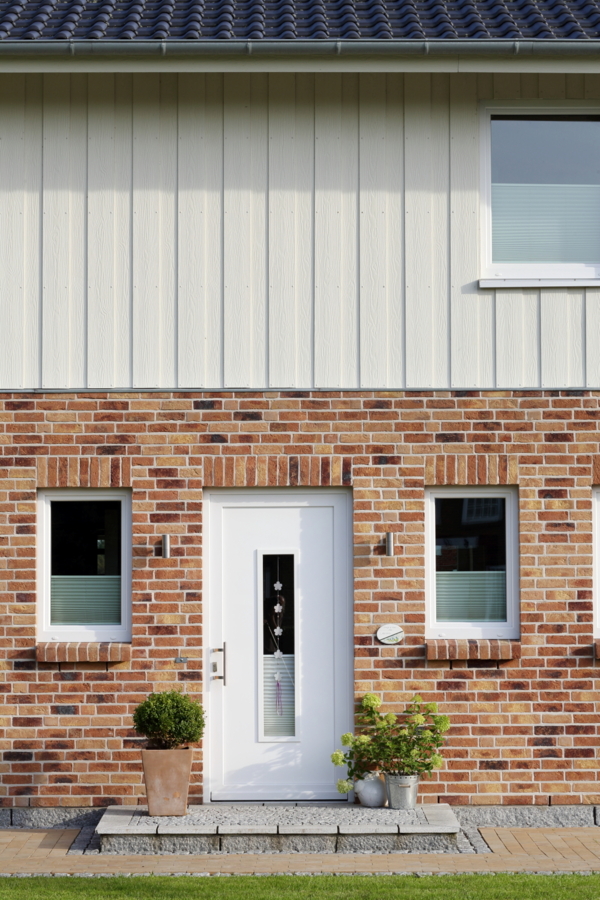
(287, 20)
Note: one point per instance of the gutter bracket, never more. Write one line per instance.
(338, 47)
(249, 48)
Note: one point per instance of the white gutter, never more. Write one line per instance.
(315, 56)
(295, 48)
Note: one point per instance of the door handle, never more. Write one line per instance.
(222, 677)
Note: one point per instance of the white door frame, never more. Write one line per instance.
(344, 661)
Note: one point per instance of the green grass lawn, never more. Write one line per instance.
(282, 887)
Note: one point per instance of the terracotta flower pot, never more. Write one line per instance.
(167, 780)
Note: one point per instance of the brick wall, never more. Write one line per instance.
(525, 729)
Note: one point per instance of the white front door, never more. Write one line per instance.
(279, 648)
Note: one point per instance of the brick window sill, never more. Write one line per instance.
(82, 651)
(473, 649)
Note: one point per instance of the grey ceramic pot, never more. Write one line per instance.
(370, 790)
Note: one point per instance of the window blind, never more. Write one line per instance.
(546, 223)
(280, 723)
(85, 600)
(471, 596)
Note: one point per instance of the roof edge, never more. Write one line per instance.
(475, 47)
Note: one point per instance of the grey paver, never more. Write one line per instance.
(308, 829)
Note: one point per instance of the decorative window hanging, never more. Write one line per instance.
(279, 675)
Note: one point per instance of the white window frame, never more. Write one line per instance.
(509, 630)
(509, 275)
(95, 633)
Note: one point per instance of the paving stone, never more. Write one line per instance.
(247, 829)
(308, 829)
(54, 817)
(82, 841)
(308, 843)
(251, 843)
(525, 816)
(187, 829)
(152, 845)
(401, 843)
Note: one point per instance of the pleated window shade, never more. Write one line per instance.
(546, 223)
(279, 717)
(546, 189)
(85, 600)
(471, 596)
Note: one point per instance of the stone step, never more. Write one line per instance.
(285, 829)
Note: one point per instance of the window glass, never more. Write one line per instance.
(279, 676)
(470, 559)
(545, 189)
(85, 578)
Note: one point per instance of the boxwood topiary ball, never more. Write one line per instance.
(169, 719)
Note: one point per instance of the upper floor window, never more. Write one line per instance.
(472, 568)
(84, 565)
(542, 193)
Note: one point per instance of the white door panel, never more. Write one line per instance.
(264, 746)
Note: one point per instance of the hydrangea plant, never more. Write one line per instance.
(407, 744)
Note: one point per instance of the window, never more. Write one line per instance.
(542, 193)
(84, 566)
(472, 563)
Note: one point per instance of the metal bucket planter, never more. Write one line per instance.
(402, 791)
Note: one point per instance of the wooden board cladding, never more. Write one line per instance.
(266, 231)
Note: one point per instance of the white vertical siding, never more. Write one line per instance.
(13, 234)
(266, 231)
(31, 298)
(245, 233)
(336, 237)
(199, 231)
(290, 251)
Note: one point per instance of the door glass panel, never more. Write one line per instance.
(279, 675)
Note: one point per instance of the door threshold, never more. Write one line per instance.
(322, 803)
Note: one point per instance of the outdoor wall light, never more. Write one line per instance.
(166, 546)
(389, 544)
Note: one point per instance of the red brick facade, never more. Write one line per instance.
(525, 725)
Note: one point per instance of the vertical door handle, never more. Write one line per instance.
(222, 677)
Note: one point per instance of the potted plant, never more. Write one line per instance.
(402, 747)
(169, 720)
(361, 766)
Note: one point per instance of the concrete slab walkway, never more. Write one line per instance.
(544, 850)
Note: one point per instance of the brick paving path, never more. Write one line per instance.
(44, 851)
